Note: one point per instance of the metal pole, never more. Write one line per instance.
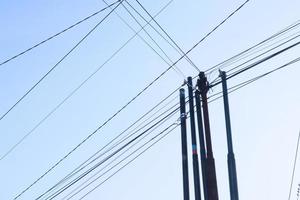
(194, 141)
(212, 188)
(202, 142)
(230, 156)
(186, 193)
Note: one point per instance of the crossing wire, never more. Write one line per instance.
(129, 162)
(59, 33)
(62, 59)
(247, 51)
(176, 69)
(243, 84)
(178, 49)
(76, 89)
(134, 98)
(160, 122)
(235, 88)
(256, 63)
(134, 131)
(257, 56)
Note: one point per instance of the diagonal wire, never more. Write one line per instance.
(57, 34)
(62, 59)
(76, 89)
(178, 49)
(135, 97)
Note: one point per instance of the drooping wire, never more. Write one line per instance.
(57, 34)
(76, 89)
(60, 61)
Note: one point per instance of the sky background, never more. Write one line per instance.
(264, 115)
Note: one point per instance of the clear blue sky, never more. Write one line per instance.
(265, 115)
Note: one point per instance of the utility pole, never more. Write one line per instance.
(212, 188)
(194, 141)
(202, 142)
(234, 195)
(185, 172)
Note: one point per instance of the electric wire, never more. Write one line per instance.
(239, 86)
(57, 34)
(247, 51)
(294, 167)
(127, 164)
(60, 61)
(134, 131)
(76, 89)
(256, 63)
(135, 97)
(257, 56)
(178, 49)
(176, 69)
(243, 84)
(115, 152)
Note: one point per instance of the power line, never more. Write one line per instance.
(178, 49)
(59, 33)
(63, 58)
(269, 50)
(158, 123)
(294, 166)
(134, 131)
(152, 39)
(127, 163)
(248, 51)
(76, 89)
(135, 97)
(257, 63)
(243, 84)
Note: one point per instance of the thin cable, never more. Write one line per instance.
(257, 63)
(243, 84)
(113, 154)
(287, 29)
(269, 50)
(178, 49)
(76, 89)
(294, 166)
(176, 69)
(57, 34)
(63, 58)
(101, 175)
(84, 165)
(142, 91)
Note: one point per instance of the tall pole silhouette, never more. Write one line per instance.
(212, 188)
(196, 172)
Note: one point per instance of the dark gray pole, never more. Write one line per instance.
(212, 188)
(194, 141)
(230, 156)
(185, 172)
(202, 142)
